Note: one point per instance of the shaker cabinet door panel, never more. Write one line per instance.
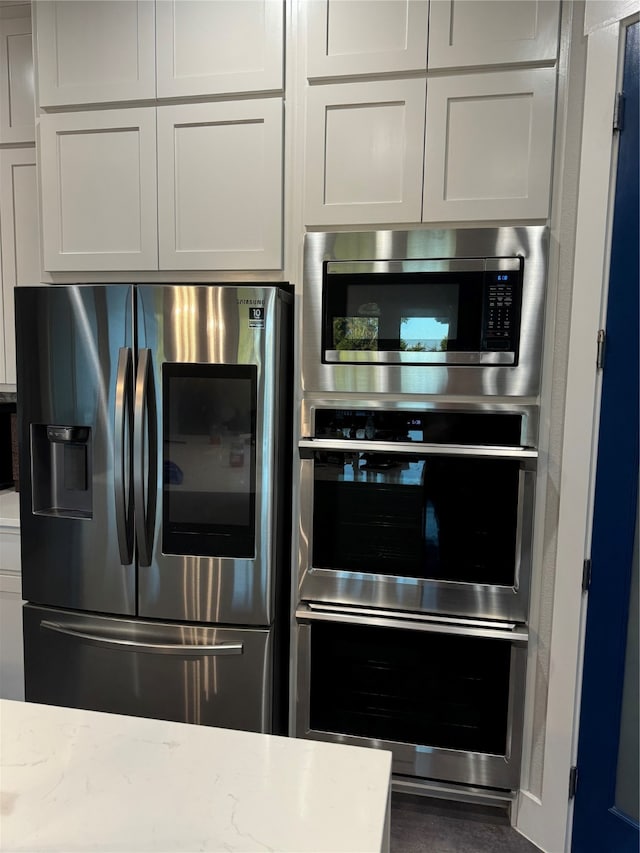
(489, 146)
(95, 51)
(364, 151)
(348, 37)
(492, 32)
(98, 184)
(220, 185)
(17, 110)
(212, 48)
(20, 241)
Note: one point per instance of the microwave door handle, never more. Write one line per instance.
(122, 456)
(136, 646)
(472, 451)
(145, 494)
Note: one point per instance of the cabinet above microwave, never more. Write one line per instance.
(425, 311)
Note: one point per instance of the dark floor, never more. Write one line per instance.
(425, 825)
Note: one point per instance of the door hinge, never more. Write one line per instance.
(602, 335)
(586, 574)
(618, 112)
(573, 782)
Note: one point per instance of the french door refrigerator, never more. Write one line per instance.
(154, 428)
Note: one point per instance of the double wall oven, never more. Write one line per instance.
(417, 466)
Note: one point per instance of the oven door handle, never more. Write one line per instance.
(308, 446)
(509, 632)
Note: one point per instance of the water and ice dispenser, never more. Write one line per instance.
(61, 470)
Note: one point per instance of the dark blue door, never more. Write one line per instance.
(606, 807)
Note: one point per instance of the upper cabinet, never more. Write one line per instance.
(98, 185)
(364, 152)
(352, 37)
(19, 241)
(465, 33)
(205, 192)
(111, 51)
(217, 48)
(94, 51)
(489, 145)
(17, 109)
(463, 132)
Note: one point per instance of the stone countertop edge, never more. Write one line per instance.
(76, 780)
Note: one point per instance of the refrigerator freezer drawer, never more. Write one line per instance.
(183, 672)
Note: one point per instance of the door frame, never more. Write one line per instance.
(545, 816)
(615, 510)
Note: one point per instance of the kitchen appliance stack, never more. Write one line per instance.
(155, 435)
(418, 453)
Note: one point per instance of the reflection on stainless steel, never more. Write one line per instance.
(154, 424)
(486, 374)
(425, 760)
(350, 586)
(124, 666)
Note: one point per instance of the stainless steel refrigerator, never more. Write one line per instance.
(154, 427)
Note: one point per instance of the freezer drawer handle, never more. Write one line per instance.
(123, 459)
(152, 648)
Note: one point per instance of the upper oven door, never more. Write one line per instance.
(381, 307)
(414, 526)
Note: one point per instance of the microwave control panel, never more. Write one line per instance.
(501, 312)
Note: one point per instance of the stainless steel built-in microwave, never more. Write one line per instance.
(380, 307)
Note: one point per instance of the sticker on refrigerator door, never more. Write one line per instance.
(256, 318)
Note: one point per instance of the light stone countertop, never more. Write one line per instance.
(73, 780)
(9, 508)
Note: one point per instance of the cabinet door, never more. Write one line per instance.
(20, 240)
(220, 185)
(11, 655)
(98, 184)
(492, 32)
(17, 109)
(366, 36)
(364, 152)
(489, 146)
(213, 47)
(95, 51)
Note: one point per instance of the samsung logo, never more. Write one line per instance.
(250, 301)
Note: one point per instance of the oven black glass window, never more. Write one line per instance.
(433, 517)
(436, 690)
(208, 475)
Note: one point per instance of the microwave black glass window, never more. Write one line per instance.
(420, 317)
(208, 465)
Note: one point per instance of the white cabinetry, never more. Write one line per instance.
(98, 183)
(483, 151)
(221, 47)
(94, 51)
(17, 109)
(492, 32)
(11, 655)
(489, 145)
(220, 185)
(350, 37)
(213, 202)
(19, 240)
(364, 152)
(101, 51)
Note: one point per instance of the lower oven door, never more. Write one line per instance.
(446, 697)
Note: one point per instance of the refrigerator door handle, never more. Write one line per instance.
(145, 456)
(153, 648)
(123, 488)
